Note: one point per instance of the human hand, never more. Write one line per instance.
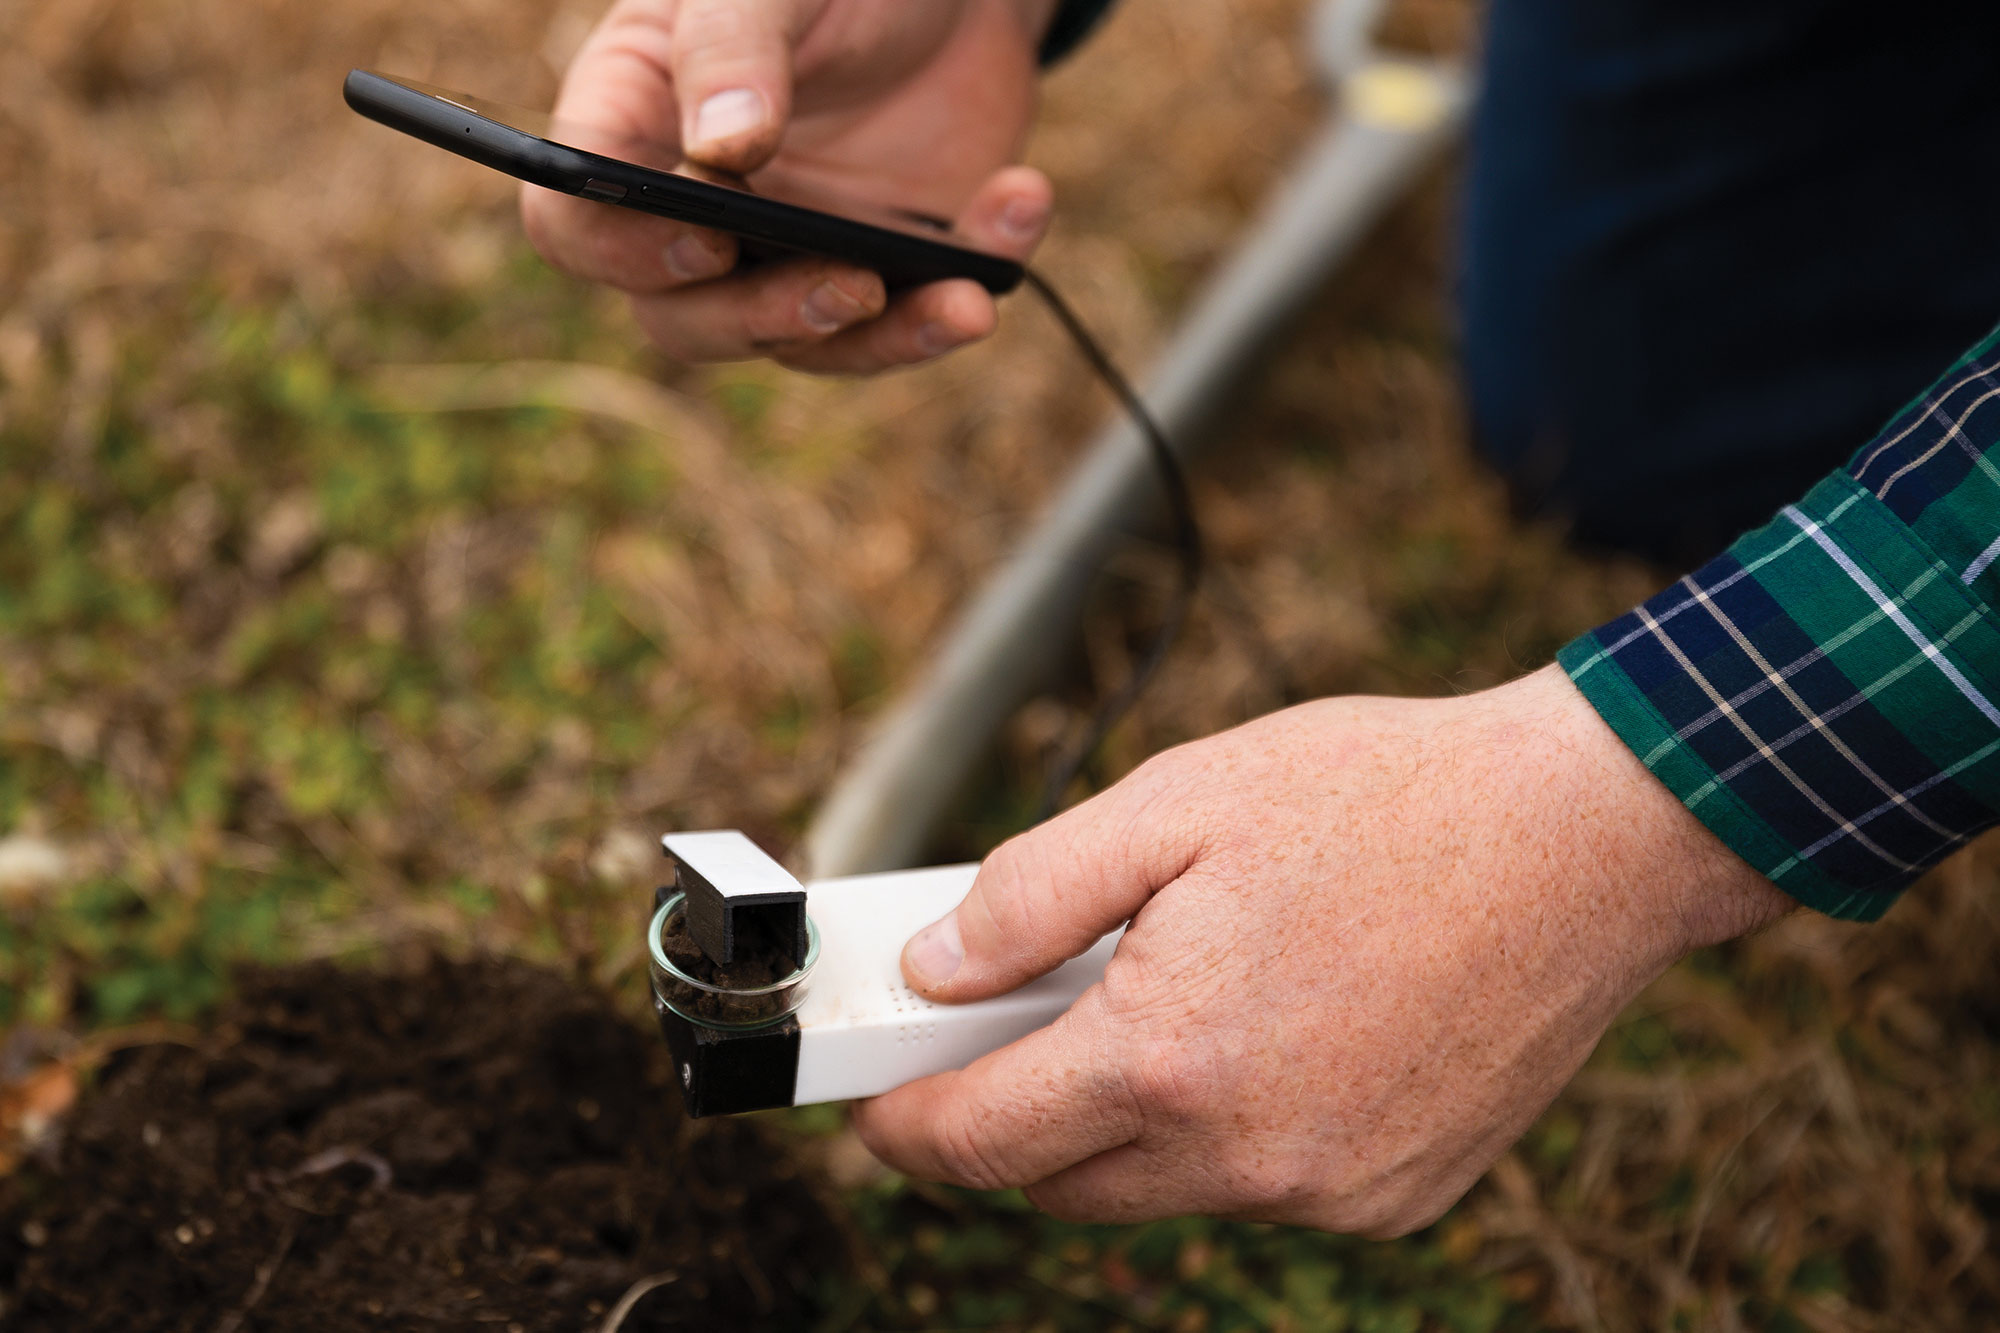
(916, 107)
(1370, 940)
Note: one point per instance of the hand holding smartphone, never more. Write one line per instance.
(780, 215)
(853, 120)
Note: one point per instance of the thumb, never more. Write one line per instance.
(1047, 895)
(732, 65)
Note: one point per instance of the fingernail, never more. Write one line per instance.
(1022, 219)
(829, 309)
(727, 114)
(936, 951)
(691, 261)
(935, 339)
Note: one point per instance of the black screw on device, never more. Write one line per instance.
(738, 898)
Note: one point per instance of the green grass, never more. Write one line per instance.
(968, 1261)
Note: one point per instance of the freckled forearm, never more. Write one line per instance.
(1695, 890)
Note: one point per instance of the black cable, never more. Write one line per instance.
(1187, 546)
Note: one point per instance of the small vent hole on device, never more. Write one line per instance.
(906, 1001)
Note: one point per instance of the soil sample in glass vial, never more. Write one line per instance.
(759, 963)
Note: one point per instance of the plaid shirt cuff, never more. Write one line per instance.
(1823, 695)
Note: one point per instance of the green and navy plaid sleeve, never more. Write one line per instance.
(1825, 696)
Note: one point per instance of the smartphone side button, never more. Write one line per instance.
(685, 201)
(603, 190)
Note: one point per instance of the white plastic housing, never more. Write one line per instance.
(862, 1031)
(737, 868)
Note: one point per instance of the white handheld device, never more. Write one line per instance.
(840, 1023)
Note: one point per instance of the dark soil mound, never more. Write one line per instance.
(462, 1146)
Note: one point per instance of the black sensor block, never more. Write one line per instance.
(737, 896)
(724, 1072)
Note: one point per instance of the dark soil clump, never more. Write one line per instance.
(760, 964)
(752, 967)
(475, 1145)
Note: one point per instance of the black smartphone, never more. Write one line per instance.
(772, 214)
